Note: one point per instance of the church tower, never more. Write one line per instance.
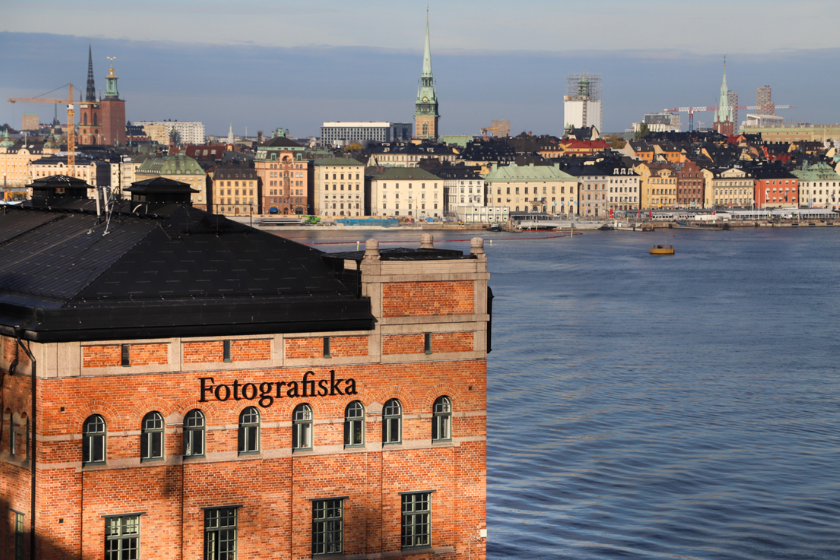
(426, 115)
(113, 111)
(90, 115)
(725, 114)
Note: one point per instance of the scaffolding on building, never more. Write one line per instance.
(583, 87)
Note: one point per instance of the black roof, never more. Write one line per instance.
(59, 182)
(158, 185)
(68, 275)
(282, 142)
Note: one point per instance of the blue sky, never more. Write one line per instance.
(293, 64)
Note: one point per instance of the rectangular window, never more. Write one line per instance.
(417, 520)
(327, 347)
(427, 343)
(220, 533)
(226, 351)
(122, 537)
(328, 526)
(18, 536)
(125, 355)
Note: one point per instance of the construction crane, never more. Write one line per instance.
(484, 131)
(71, 123)
(692, 110)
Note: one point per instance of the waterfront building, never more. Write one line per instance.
(819, 185)
(728, 187)
(188, 132)
(339, 134)
(606, 186)
(538, 188)
(337, 187)
(724, 119)
(657, 186)
(201, 389)
(236, 191)
(411, 192)
(582, 102)
(775, 187)
(283, 171)
(464, 186)
(426, 114)
(690, 184)
(177, 168)
(409, 154)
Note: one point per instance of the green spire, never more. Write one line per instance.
(427, 52)
(427, 103)
(724, 111)
(111, 91)
(6, 142)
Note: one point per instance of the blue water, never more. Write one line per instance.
(662, 407)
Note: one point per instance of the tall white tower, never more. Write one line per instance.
(582, 102)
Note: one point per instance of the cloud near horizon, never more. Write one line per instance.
(265, 87)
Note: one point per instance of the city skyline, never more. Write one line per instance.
(300, 87)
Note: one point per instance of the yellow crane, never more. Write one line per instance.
(485, 130)
(71, 124)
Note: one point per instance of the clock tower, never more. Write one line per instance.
(426, 108)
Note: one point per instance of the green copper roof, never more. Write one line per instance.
(6, 142)
(820, 171)
(406, 174)
(338, 161)
(531, 172)
(170, 165)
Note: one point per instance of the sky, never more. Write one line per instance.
(269, 64)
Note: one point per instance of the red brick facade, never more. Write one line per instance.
(272, 488)
(422, 299)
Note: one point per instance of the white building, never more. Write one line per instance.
(406, 191)
(339, 134)
(188, 132)
(582, 102)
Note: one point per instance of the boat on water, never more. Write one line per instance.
(662, 250)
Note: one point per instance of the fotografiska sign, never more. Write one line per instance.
(267, 391)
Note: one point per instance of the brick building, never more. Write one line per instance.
(190, 400)
(690, 182)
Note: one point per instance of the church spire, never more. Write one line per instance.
(91, 85)
(426, 107)
(427, 52)
(724, 119)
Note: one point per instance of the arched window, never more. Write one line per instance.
(249, 431)
(302, 428)
(93, 440)
(194, 434)
(442, 420)
(151, 437)
(354, 424)
(392, 422)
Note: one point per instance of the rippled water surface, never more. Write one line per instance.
(661, 407)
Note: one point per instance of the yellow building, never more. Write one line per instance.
(15, 160)
(657, 185)
(728, 188)
(327, 194)
(235, 191)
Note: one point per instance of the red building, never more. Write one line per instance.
(775, 187)
(690, 184)
(265, 400)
